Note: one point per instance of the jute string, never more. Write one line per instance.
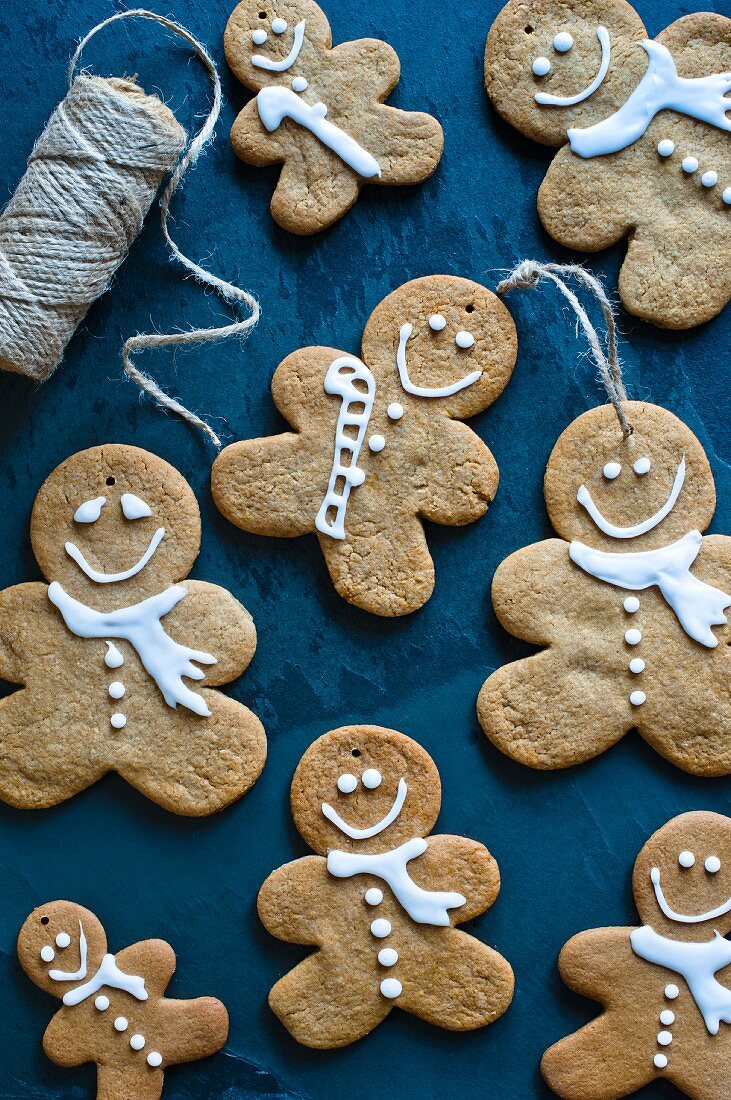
(528, 274)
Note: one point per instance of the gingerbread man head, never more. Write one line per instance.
(628, 494)
(276, 42)
(364, 789)
(60, 945)
(682, 877)
(114, 523)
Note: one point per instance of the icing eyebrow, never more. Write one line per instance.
(90, 510)
(134, 507)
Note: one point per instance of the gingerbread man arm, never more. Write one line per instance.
(523, 595)
(376, 63)
(463, 476)
(64, 1042)
(590, 961)
(24, 628)
(153, 960)
(295, 900)
(211, 620)
(458, 864)
(251, 141)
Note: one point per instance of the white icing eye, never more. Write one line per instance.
(541, 66)
(464, 339)
(347, 783)
(259, 36)
(437, 322)
(299, 84)
(642, 465)
(279, 25)
(133, 507)
(63, 939)
(48, 954)
(371, 779)
(690, 165)
(612, 470)
(563, 42)
(90, 510)
(686, 859)
(666, 147)
(712, 865)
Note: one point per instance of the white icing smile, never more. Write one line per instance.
(547, 100)
(110, 578)
(430, 391)
(373, 830)
(684, 918)
(262, 62)
(585, 500)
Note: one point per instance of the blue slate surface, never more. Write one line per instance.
(565, 842)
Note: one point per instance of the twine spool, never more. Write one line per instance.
(90, 181)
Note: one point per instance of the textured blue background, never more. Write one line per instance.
(565, 842)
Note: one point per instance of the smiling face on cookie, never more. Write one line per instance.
(276, 43)
(115, 519)
(554, 65)
(630, 494)
(446, 342)
(364, 789)
(682, 877)
(61, 945)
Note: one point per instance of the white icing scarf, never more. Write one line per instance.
(697, 963)
(423, 906)
(166, 660)
(697, 605)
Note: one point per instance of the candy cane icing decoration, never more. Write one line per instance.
(340, 380)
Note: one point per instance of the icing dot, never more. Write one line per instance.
(642, 465)
(48, 954)
(637, 698)
(371, 779)
(541, 66)
(116, 689)
(633, 636)
(374, 896)
(357, 477)
(667, 1017)
(631, 604)
(709, 179)
(437, 322)
(664, 1038)
(347, 783)
(259, 36)
(727, 196)
(154, 1059)
(381, 928)
(279, 25)
(391, 987)
(666, 148)
(395, 411)
(671, 992)
(712, 865)
(63, 939)
(612, 470)
(102, 1003)
(690, 165)
(637, 665)
(113, 658)
(137, 1042)
(387, 956)
(121, 1024)
(464, 339)
(660, 1061)
(376, 443)
(686, 859)
(299, 84)
(118, 721)
(563, 42)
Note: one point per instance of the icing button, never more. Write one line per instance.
(121, 1024)
(664, 1038)
(690, 165)
(137, 1042)
(727, 196)
(395, 411)
(118, 721)
(387, 956)
(633, 637)
(376, 443)
(709, 179)
(154, 1059)
(667, 1017)
(102, 1003)
(666, 148)
(660, 1061)
(631, 604)
(381, 928)
(391, 987)
(637, 698)
(374, 896)
(116, 690)
(671, 992)
(637, 665)
(299, 84)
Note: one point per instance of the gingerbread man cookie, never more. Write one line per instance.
(666, 986)
(378, 442)
(643, 129)
(104, 651)
(381, 898)
(115, 1012)
(630, 603)
(320, 112)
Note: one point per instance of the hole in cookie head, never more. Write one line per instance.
(111, 480)
(262, 15)
(45, 920)
(529, 29)
(355, 752)
(470, 308)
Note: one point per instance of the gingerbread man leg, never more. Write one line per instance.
(128, 1083)
(576, 1067)
(326, 1002)
(305, 200)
